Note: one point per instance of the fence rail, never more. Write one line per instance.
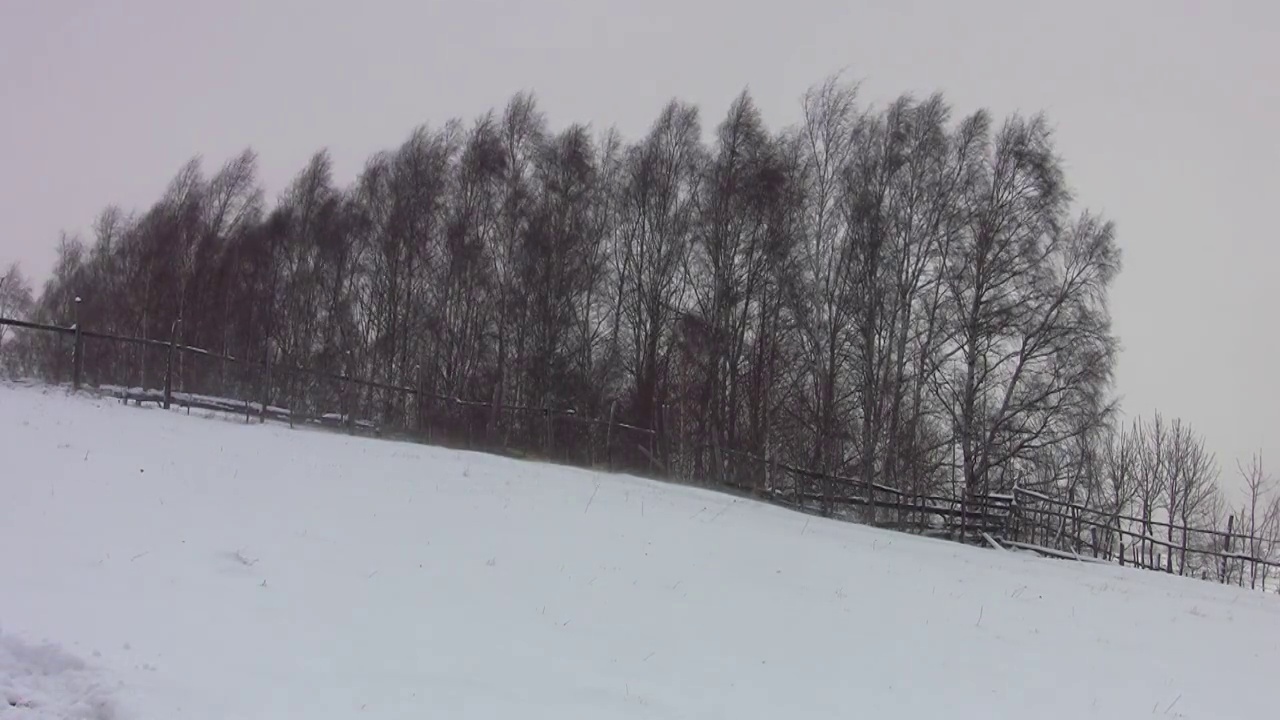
(196, 378)
(302, 395)
(1115, 536)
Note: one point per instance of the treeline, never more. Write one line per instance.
(890, 293)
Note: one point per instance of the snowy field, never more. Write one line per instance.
(154, 565)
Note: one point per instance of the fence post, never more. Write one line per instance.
(550, 433)
(653, 447)
(352, 392)
(168, 367)
(1226, 548)
(608, 436)
(77, 358)
(661, 448)
(419, 401)
(353, 396)
(266, 390)
(683, 450)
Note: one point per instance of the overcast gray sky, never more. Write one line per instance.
(1167, 115)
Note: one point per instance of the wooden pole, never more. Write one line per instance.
(653, 436)
(349, 402)
(550, 431)
(608, 436)
(168, 366)
(77, 359)
(1226, 548)
(420, 402)
(266, 390)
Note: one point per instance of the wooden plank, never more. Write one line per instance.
(14, 322)
(1050, 552)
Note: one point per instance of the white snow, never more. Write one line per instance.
(44, 682)
(202, 569)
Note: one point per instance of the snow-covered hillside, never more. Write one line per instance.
(154, 565)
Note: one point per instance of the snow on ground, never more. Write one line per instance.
(204, 568)
(45, 682)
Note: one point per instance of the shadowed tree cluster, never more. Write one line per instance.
(889, 293)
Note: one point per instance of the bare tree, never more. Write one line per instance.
(822, 294)
(1122, 456)
(16, 298)
(1269, 530)
(463, 291)
(1153, 458)
(1258, 485)
(659, 213)
(1190, 487)
(923, 211)
(16, 302)
(725, 272)
(1028, 289)
(560, 265)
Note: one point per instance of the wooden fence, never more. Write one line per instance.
(1069, 529)
(191, 377)
(979, 519)
(171, 374)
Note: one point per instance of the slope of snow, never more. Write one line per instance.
(210, 569)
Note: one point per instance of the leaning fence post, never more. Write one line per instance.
(77, 358)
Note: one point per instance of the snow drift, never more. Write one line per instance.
(45, 682)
